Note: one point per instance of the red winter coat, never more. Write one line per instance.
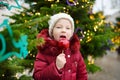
(45, 67)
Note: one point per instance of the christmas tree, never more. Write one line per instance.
(116, 38)
(95, 36)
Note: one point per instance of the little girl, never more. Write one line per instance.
(59, 58)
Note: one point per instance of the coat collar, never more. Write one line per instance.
(51, 48)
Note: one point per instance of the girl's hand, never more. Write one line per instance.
(60, 61)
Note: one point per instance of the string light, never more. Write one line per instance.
(82, 6)
(23, 14)
(101, 15)
(30, 20)
(24, 72)
(116, 40)
(77, 3)
(112, 26)
(31, 64)
(90, 59)
(52, 5)
(25, 21)
(77, 21)
(88, 2)
(33, 55)
(113, 49)
(47, 15)
(67, 12)
(88, 39)
(50, 0)
(57, 1)
(91, 34)
(17, 76)
(80, 39)
(28, 51)
(37, 13)
(30, 13)
(84, 32)
(95, 28)
(64, 8)
(3, 75)
(101, 22)
(29, 26)
(10, 58)
(30, 54)
(88, 30)
(92, 17)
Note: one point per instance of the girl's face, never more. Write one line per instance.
(62, 29)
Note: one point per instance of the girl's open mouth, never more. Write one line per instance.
(62, 36)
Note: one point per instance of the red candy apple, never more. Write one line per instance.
(63, 43)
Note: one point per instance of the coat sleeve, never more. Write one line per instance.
(45, 71)
(81, 69)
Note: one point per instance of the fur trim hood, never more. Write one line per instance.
(50, 47)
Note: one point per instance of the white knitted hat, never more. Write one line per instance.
(55, 18)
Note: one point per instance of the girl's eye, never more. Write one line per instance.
(58, 27)
(67, 28)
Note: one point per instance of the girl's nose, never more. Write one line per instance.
(63, 30)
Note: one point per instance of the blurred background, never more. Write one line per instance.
(97, 24)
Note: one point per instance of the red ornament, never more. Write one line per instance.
(63, 43)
